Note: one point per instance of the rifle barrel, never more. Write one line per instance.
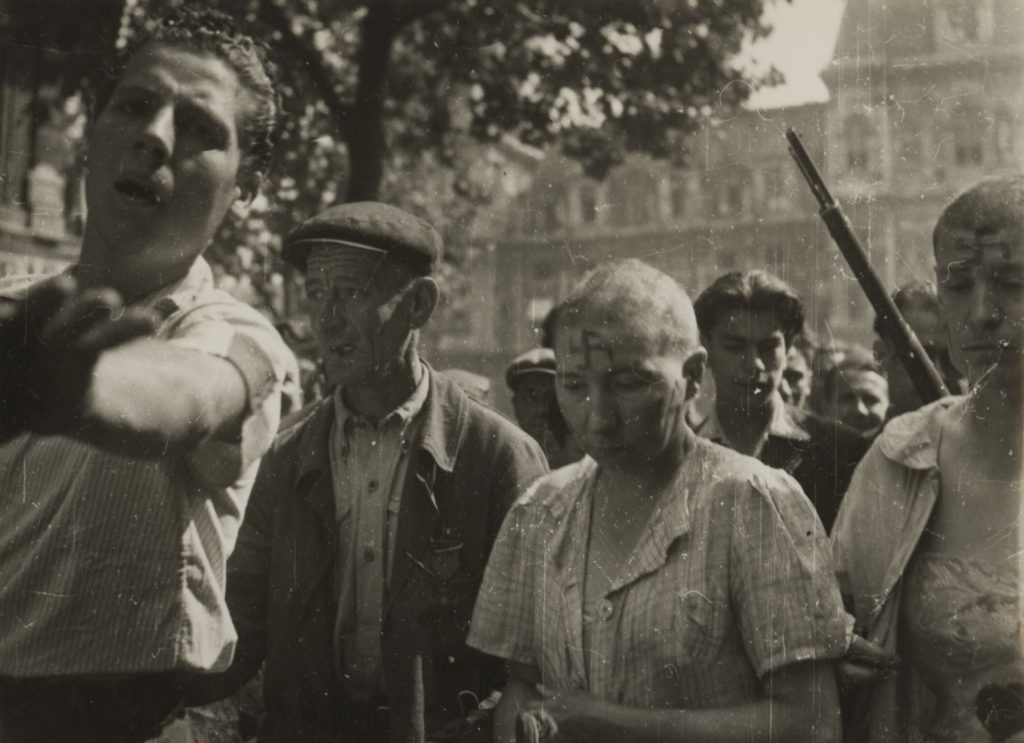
(922, 372)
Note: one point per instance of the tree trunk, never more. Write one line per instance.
(367, 146)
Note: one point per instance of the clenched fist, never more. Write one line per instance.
(49, 343)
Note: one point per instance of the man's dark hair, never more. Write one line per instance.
(919, 295)
(547, 328)
(202, 29)
(754, 291)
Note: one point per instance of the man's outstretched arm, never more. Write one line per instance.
(81, 364)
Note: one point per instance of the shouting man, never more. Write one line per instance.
(136, 402)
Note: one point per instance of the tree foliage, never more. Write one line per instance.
(391, 98)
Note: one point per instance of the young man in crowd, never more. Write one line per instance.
(136, 402)
(374, 513)
(798, 377)
(531, 378)
(855, 392)
(919, 305)
(748, 320)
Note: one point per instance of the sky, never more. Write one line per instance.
(800, 46)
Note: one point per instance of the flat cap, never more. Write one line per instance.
(538, 360)
(367, 225)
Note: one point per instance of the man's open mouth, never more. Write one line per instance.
(139, 191)
(342, 349)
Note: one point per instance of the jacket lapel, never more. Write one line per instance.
(422, 499)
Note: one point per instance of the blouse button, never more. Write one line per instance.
(605, 609)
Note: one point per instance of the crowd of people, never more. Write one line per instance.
(821, 553)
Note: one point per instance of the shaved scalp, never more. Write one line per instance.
(990, 205)
(638, 297)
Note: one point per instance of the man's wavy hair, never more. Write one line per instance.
(753, 291)
(202, 29)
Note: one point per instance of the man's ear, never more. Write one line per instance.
(882, 352)
(693, 370)
(425, 295)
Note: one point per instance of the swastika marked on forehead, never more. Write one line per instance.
(594, 350)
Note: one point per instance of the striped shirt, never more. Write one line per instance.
(732, 580)
(112, 564)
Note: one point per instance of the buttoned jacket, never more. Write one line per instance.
(468, 467)
(820, 454)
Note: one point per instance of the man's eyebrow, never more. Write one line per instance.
(963, 264)
(208, 116)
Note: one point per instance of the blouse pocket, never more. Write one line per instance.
(692, 626)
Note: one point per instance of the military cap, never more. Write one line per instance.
(535, 361)
(367, 225)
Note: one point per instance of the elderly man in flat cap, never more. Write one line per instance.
(531, 379)
(373, 515)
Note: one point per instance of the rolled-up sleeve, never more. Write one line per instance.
(503, 618)
(240, 335)
(781, 577)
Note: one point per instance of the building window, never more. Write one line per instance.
(909, 148)
(552, 213)
(588, 202)
(731, 198)
(640, 201)
(964, 21)
(858, 134)
(776, 190)
(1003, 132)
(677, 196)
(968, 148)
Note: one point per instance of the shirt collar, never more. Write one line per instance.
(171, 297)
(912, 439)
(402, 415)
(783, 424)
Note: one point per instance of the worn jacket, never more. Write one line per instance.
(469, 466)
(883, 517)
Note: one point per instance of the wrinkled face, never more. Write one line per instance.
(622, 402)
(931, 331)
(746, 355)
(980, 279)
(358, 310)
(861, 399)
(796, 379)
(164, 156)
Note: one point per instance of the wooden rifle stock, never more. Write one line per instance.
(919, 367)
